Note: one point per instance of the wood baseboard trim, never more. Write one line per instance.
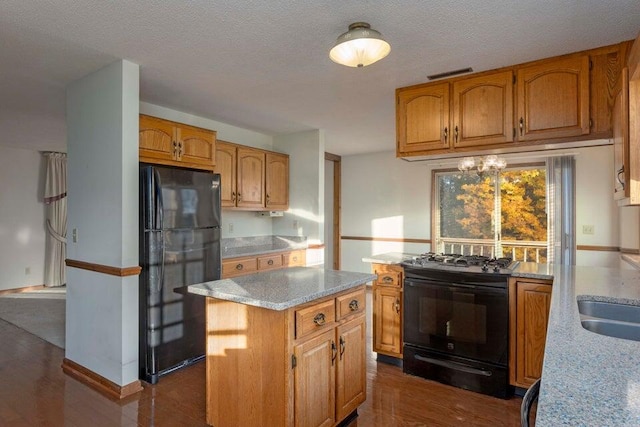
(598, 248)
(386, 239)
(25, 289)
(98, 382)
(105, 269)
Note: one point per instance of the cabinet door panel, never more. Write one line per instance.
(422, 121)
(386, 322)
(352, 379)
(534, 301)
(553, 99)
(250, 179)
(197, 147)
(226, 167)
(156, 141)
(277, 181)
(483, 110)
(314, 382)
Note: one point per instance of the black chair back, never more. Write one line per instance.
(528, 400)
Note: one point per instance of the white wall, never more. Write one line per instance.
(102, 147)
(329, 170)
(383, 197)
(387, 197)
(22, 218)
(234, 223)
(306, 185)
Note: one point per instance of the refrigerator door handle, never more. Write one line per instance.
(159, 201)
(161, 281)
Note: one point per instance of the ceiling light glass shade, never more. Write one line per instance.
(360, 46)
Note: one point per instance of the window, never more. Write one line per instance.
(492, 215)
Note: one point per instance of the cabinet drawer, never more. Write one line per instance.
(269, 262)
(238, 267)
(314, 318)
(295, 258)
(389, 278)
(350, 304)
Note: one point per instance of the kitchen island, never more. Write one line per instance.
(285, 347)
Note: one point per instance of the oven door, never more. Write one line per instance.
(469, 321)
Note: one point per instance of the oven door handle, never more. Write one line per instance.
(457, 286)
(453, 365)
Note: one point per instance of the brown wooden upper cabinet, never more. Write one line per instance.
(553, 99)
(175, 144)
(469, 112)
(252, 179)
(483, 110)
(277, 181)
(422, 119)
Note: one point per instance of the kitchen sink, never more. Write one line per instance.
(610, 311)
(612, 328)
(610, 319)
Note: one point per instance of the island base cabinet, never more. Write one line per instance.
(315, 382)
(265, 369)
(351, 373)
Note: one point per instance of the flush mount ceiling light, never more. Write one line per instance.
(488, 164)
(360, 46)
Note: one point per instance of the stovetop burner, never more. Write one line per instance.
(485, 264)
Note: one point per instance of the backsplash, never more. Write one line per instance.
(240, 246)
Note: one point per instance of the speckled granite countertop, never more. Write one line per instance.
(282, 289)
(587, 379)
(235, 247)
(388, 258)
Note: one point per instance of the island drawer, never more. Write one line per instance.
(295, 258)
(351, 303)
(239, 266)
(270, 261)
(315, 317)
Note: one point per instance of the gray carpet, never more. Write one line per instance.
(41, 313)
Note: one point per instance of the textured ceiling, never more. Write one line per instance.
(264, 65)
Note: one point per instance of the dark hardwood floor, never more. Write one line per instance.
(35, 392)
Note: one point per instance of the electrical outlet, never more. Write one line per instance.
(587, 229)
(27, 271)
(230, 227)
(74, 235)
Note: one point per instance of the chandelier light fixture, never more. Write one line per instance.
(360, 46)
(487, 164)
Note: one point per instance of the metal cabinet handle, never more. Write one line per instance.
(334, 352)
(387, 279)
(295, 258)
(175, 149)
(521, 125)
(239, 267)
(239, 197)
(353, 305)
(455, 133)
(397, 305)
(342, 346)
(319, 319)
(446, 134)
(620, 172)
(270, 262)
(180, 150)
(233, 196)
(267, 200)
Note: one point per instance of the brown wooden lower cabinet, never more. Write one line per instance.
(265, 369)
(529, 303)
(233, 267)
(387, 309)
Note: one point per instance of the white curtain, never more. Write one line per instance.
(561, 207)
(55, 197)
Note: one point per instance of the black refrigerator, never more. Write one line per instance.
(179, 246)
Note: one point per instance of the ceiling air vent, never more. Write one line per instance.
(450, 73)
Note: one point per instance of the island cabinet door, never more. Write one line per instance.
(351, 382)
(314, 378)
